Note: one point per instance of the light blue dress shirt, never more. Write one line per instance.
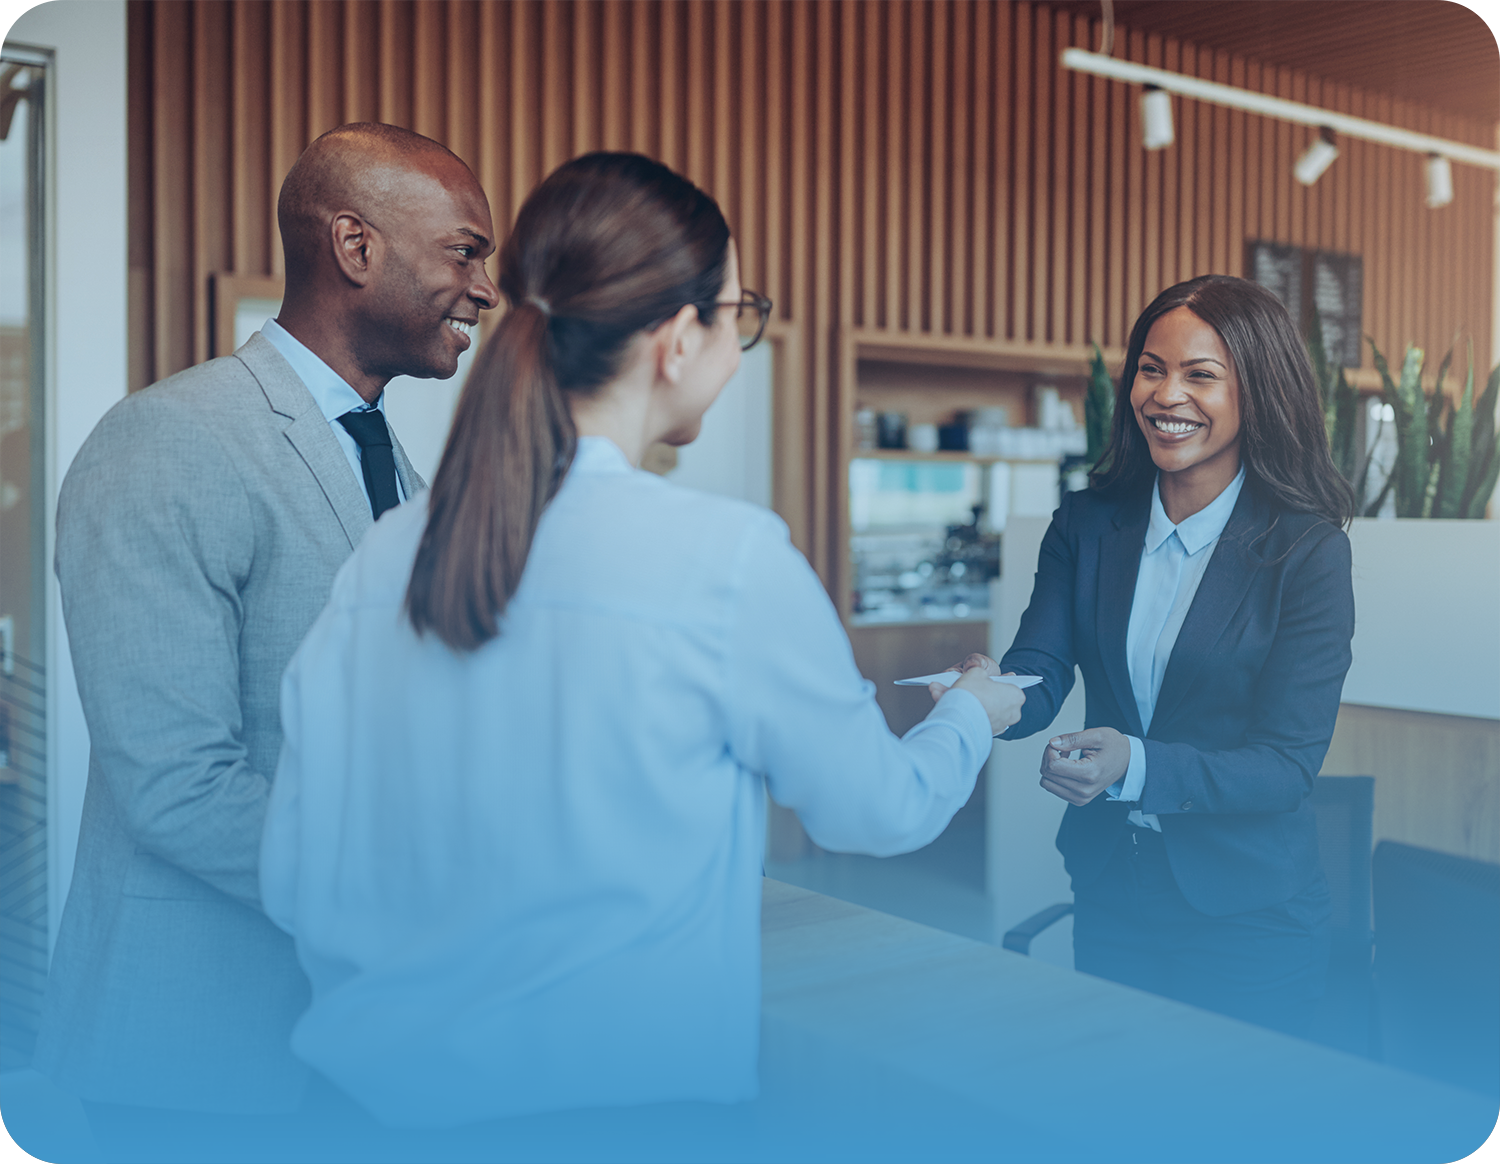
(332, 392)
(532, 879)
(1173, 561)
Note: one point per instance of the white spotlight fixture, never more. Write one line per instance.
(1316, 158)
(1156, 118)
(1439, 181)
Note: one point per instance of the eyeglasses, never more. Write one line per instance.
(752, 312)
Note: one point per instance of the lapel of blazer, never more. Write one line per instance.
(309, 434)
(1228, 576)
(411, 480)
(1119, 563)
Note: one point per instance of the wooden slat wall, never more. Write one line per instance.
(905, 165)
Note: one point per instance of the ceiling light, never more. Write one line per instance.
(1439, 181)
(1316, 158)
(1268, 106)
(1156, 118)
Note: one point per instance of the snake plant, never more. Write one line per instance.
(1098, 407)
(1447, 455)
(1340, 404)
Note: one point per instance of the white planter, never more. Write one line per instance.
(1427, 616)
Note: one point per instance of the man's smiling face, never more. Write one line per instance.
(431, 282)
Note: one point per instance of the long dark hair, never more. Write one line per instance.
(1283, 442)
(610, 244)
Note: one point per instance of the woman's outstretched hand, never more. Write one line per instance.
(1104, 755)
(1001, 701)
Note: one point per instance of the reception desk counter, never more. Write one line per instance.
(886, 1039)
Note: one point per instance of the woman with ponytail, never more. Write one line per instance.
(518, 824)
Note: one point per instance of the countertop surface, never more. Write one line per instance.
(926, 1042)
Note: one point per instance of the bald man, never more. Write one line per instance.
(198, 533)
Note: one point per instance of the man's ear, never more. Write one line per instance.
(354, 244)
(675, 342)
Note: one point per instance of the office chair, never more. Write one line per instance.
(1437, 964)
(1345, 1016)
(1345, 808)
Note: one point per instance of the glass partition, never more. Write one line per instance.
(23, 554)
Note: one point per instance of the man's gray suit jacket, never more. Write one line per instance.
(198, 533)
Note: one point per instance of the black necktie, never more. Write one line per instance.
(374, 440)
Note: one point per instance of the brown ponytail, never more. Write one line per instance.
(607, 246)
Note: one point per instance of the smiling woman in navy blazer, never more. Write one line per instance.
(1202, 586)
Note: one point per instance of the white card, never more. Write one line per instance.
(948, 678)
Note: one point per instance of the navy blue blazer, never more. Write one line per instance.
(1247, 704)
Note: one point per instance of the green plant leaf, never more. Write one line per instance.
(1486, 488)
(1098, 407)
(1457, 447)
(1412, 446)
(1409, 475)
(1482, 444)
(1345, 421)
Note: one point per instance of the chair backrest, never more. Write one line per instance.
(1345, 807)
(1437, 964)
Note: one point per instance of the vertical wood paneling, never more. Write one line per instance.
(1099, 216)
(870, 279)
(140, 182)
(462, 81)
(212, 205)
(172, 143)
(1001, 219)
(361, 56)
(615, 93)
(252, 212)
(1160, 197)
(981, 237)
(1021, 225)
(395, 60)
(894, 150)
(520, 127)
(287, 96)
(751, 100)
(325, 84)
(846, 248)
(917, 162)
(913, 166)
(1135, 161)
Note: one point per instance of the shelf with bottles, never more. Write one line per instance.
(922, 545)
(1006, 416)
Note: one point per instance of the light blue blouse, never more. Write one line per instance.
(529, 877)
(1173, 561)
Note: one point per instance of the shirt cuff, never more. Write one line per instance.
(964, 708)
(1133, 783)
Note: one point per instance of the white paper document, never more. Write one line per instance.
(948, 678)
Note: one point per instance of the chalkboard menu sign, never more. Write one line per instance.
(1308, 281)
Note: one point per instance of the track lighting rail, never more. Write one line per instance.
(1100, 65)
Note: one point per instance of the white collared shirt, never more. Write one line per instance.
(332, 393)
(1173, 561)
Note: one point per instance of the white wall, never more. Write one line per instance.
(1427, 616)
(732, 454)
(1024, 870)
(86, 354)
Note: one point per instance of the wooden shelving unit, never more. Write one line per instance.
(929, 377)
(943, 455)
